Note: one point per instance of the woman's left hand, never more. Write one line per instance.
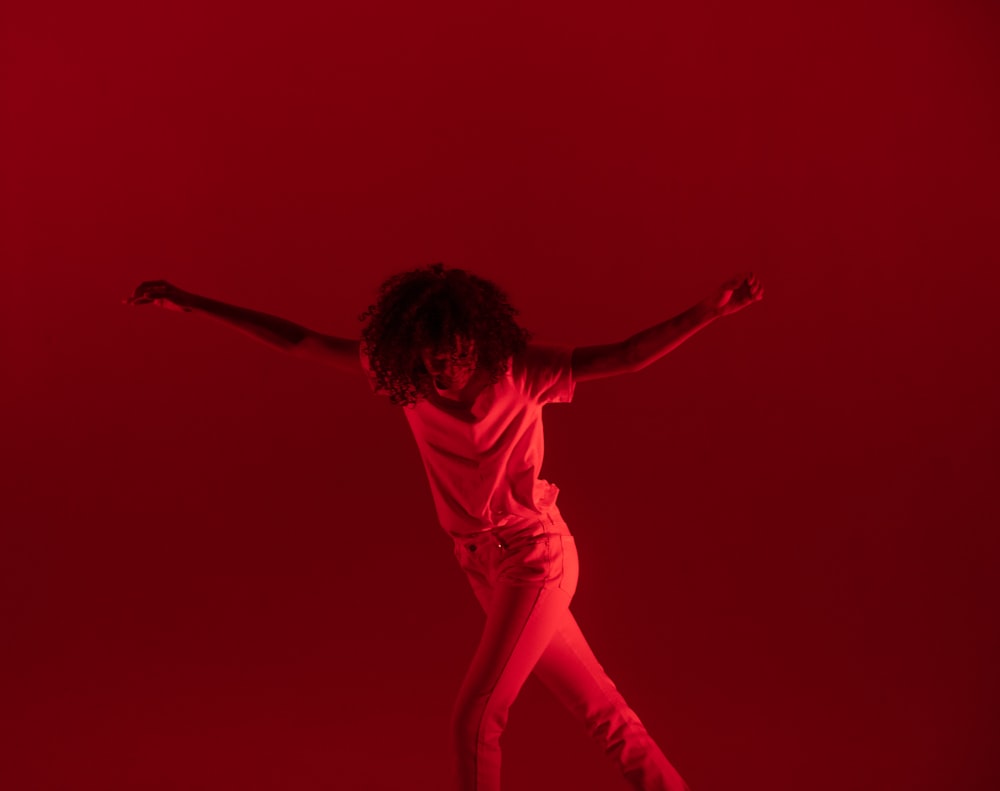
(736, 294)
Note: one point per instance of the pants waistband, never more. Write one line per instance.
(503, 536)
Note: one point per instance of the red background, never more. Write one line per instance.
(220, 566)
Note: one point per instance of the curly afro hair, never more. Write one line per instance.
(427, 308)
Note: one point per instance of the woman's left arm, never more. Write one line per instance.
(649, 345)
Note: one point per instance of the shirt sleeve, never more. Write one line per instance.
(548, 373)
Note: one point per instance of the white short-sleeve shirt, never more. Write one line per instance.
(483, 466)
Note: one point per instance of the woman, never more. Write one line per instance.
(444, 344)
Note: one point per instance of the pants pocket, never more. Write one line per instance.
(546, 560)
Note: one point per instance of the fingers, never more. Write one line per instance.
(742, 291)
(154, 287)
(149, 291)
(753, 287)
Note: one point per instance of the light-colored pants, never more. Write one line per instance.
(525, 579)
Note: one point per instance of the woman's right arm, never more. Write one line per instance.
(279, 333)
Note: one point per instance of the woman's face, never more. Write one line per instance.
(451, 368)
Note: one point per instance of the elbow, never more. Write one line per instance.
(632, 358)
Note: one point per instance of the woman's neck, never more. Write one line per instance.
(467, 396)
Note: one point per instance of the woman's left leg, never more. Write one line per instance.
(572, 673)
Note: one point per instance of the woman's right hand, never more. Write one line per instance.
(162, 294)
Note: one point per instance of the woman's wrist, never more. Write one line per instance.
(190, 301)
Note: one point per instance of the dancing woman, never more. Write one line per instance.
(444, 345)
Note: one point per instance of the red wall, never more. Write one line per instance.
(220, 566)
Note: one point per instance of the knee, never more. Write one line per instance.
(607, 714)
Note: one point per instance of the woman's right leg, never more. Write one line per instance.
(525, 591)
(570, 670)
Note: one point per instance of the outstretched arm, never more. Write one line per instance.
(274, 331)
(648, 346)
